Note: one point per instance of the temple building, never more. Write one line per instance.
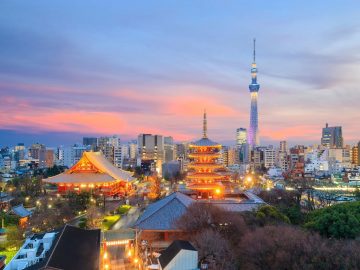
(206, 175)
(94, 173)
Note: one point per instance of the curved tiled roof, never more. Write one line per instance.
(100, 162)
(162, 214)
(105, 172)
(205, 142)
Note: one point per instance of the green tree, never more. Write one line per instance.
(270, 215)
(79, 202)
(338, 221)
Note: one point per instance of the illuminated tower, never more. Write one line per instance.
(253, 135)
(206, 173)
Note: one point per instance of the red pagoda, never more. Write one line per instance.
(206, 174)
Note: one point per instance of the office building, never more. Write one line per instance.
(332, 137)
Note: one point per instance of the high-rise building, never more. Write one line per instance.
(257, 158)
(241, 136)
(133, 149)
(151, 149)
(169, 149)
(332, 137)
(355, 155)
(269, 156)
(242, 146)
(111, 149)
(90, 141)
(37, 152)
(253, 135)
(49, 158)
(71, 154)
(283, 147)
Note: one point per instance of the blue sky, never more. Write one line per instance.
(69, 68)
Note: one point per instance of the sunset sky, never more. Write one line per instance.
(80, 68)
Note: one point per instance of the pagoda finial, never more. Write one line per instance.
(204, 125)
(254, 49)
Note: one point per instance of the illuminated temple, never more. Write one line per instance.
(94, 173)
(206, 174)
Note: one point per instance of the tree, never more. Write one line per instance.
(214, 250)
(79, 202)
(94, 217)
(357, 194)
(54, 170)
(270, 215)
(285, 247)
(50, 215)
(155, 189)
(202, 216)
(339, 221)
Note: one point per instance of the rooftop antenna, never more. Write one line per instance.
(254, 49)
(204, 125)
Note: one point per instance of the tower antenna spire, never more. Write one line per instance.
(204, 125)
(254, 48)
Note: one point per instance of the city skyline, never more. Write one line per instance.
(128, 70)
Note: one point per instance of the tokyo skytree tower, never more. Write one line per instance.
(253, 134)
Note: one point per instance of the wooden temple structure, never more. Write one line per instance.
(93, 173)
(206, 175)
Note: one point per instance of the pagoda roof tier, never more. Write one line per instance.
(205, 165)
(92, 168)
(205, 175)
(208, 186)
(204, 154)
(205, 142)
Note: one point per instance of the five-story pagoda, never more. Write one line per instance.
(204, 175)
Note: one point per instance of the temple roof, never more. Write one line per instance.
(170, 253)
(93, 167)
(205, 175)
(162, 214)
(21, 211)
(73, 249)
(205, 142)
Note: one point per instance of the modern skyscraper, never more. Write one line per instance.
(241, 136)
(151, 151)
(283, 147)
(90, 141)
(253, 135)
(169, 149)
(332, 137)
(242, 145)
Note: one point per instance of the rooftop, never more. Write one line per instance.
(21, 211)
(93, 167)
(74, 249)
(169, 254)
(205, 142)
(162, 214)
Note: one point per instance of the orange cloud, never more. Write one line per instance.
(66, 121)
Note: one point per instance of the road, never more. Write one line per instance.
(128, 220)
(117, 254)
